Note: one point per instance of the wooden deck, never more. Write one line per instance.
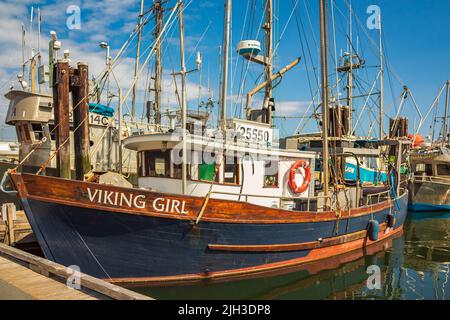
(24, 276)
(17, 282)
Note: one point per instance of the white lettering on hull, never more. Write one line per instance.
(121, 199)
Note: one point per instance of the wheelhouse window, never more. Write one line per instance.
(271, 174)
(156, 164)
(424, 168)
(443, 169)
(25, 132)
(178, 169)
(37, 131)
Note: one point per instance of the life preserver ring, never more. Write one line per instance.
(306, 178)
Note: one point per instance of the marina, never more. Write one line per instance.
(198, 198)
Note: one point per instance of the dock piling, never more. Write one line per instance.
(80, 93)
(61, 111)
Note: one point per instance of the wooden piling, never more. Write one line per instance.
(61, 111)
(8, 216)
(80, 92)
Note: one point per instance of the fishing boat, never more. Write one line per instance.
(430, 165)
(210, 203)
(430, 184)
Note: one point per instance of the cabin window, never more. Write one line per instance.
(420, 167)
(271, 174)
(156, 164)
(443, 169)
(178, 170)
(231, 171)
(37, 131)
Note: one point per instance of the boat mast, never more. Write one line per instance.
(32, 59)
(119, 109)
(268, 27)
(325, 110)
(225, 65)
(183, 100)
(159, 16)
(381, 78)
(39, 43)
(445, 133)
(350, 72)
(136, 65)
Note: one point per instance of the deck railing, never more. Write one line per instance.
(432, 179)
(385, 195)
(327, 203)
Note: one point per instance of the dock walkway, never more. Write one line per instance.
(28, 277)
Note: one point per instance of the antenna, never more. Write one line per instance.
(199, 68)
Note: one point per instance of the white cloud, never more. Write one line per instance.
(291, 108)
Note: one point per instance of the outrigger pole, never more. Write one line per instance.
(325, 109)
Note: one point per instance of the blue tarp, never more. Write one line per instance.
(101, 109)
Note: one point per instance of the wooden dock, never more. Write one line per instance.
(14, 226)
(25, 276)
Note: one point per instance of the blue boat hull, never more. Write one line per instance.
(428, 207)
(113, 245)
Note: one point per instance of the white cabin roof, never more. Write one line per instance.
(170, 140)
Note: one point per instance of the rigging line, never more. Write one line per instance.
(7, 81)
(245, 63)
(152, 49)
(199, 41)
(285, 27)
(237, 60)
(112, 118)
(422, 121)
(335, 50)
(302, 123)
(310, 25)
(375, 46)
(308, 46)
(306, 58)
(387, 63)
(248, 65)
(370, 108)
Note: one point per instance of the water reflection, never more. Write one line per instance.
(414, 265)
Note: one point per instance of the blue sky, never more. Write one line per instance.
(416, 38)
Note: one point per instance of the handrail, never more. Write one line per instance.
(378, 195)
(2, 185)
(432, 179)
(328, 199)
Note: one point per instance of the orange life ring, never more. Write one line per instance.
(306, 178)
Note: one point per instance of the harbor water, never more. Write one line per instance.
(413, 265)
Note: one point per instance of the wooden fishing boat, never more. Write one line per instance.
(210, 203)
(430, 184)
(240, 221)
